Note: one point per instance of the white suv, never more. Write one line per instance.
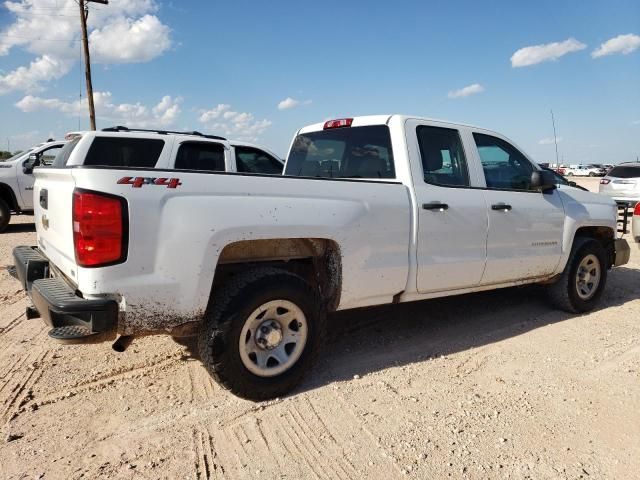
(622, 183)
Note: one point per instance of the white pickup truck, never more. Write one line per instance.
(371, 210)
(16, 179)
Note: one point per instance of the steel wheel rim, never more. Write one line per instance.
(588, 277)
(273, 338)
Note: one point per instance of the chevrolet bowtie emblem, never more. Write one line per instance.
(45, 222)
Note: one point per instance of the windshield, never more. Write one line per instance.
(358, 152)
(18, 155)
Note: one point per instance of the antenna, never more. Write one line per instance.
(555, 137)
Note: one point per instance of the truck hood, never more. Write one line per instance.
(591, 208)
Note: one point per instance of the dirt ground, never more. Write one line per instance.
(490, 385)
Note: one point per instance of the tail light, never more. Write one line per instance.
(100, 227)
(605, 181)
(636, 211)
(339, 123)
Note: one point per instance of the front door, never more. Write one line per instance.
(452, 216)
(26, 180)
(525, 225)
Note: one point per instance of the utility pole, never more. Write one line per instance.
(555, 138)
(84, 13)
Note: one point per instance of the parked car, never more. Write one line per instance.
(128, 147)
(584, 171)
(16, 179)
(561, 181)
(622, 183)
(371, 210)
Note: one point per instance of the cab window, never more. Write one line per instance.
(253, 160)
(443, 160)
(207, 156)
(505, 168)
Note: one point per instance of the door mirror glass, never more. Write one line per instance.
(543, 180)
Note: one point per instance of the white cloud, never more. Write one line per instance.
(624, 44)
(288, 103)
(129, 41)
(291, 103)
(546, 52)
(549, 141)
(163, 114)
(125, 31)
(466, 91)
(44, 68)
(222, 120)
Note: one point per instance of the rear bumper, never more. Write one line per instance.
(57, 302)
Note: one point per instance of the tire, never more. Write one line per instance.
(591, 174)
(566, 294)
(570, 174)
(230, 317)
(5, 215)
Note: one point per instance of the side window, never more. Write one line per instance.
(207, 156)
(252, 160)
(124, 152)
(48, 156)
(504, 167)
(443, 160)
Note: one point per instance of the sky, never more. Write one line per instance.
(259, 71)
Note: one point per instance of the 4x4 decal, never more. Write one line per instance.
(138, 182)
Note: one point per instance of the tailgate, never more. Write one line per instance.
(53, 197)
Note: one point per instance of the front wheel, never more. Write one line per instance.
(5, 215)
(581, 284)
(262, 332)
(591, 174)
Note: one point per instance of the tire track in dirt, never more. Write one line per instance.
(11, 324)
(205, 456)
(294, 429)
(201, 387)
(109, 378)
(22, 390)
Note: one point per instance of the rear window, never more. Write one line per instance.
(63, 155)
(124, 152)
(625, 172)
(358, 152)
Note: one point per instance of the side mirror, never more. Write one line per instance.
(573, 184)
(30, 163)
(543, 180)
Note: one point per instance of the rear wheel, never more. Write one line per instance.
(570, 174)
(592, 174)
(581, 284)
(5, 215)
(262, 332)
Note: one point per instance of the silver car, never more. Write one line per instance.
(622, 183)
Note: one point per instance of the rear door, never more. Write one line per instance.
(452, 213)
(525, 225)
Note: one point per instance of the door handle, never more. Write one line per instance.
(501, 206)
(435, 206)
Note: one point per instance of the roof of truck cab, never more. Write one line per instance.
(364, 120)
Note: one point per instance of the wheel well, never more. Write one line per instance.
(6, 194)
(317, 260)
(604, 235)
